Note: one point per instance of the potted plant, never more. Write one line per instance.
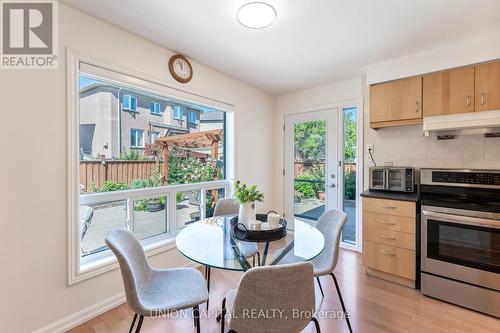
(247, 196)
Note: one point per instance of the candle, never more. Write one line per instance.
(273, 220)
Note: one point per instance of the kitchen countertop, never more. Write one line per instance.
(401, 196)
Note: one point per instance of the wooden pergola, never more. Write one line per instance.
(203, 139)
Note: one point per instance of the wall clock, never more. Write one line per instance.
(180, 68)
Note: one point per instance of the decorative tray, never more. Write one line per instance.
(265, 234)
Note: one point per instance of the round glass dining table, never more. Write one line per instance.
(210, 242)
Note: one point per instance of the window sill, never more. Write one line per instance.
(156, 114)
(130, 110)
(137, 147)
(106, 261)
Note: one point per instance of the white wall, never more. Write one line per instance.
(300, 101)
(470, 51)
(33, 233)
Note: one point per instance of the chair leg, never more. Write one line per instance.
(196, 315)
(253, 263)
(341, 301)
(320, 286)
(139, 325)
(222, 316)
(316, 323)
(258, 258)
(133, 323)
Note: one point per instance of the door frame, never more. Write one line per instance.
(360, 158)
(330, 116)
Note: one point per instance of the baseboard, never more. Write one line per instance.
(80, 317)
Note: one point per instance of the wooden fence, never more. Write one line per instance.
(98, 172)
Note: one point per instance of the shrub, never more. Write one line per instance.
(110, 186)
(350, 186)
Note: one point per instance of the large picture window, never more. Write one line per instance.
(121, 186)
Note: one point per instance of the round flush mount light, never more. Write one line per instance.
(256, 15)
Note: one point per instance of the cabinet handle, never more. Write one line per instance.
(389, 253)
(389, 207)
(389, 223)
(387, 237)
(416, 104)
(483, 99)
(467, 100)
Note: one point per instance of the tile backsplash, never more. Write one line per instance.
(406, 146)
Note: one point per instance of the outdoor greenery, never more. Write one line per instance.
(310, 141)
(311, 189)
(245, 193)
(310, 147)
(133, 155)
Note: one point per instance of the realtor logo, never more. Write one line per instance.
(29, 35)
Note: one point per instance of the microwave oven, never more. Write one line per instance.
(390, 178)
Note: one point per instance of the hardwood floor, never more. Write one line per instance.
(374, 305)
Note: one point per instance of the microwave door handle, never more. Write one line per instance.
(459, 219)
(386, 179)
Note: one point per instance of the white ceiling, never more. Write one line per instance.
(311, 42)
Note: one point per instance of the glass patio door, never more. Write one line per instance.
(311, 164)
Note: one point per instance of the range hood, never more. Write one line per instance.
(484, 122)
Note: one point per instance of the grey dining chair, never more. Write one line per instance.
(153, 292)
(330, 224)
(288, 288)
(229, 206)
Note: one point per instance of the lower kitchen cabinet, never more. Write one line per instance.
(389, 240)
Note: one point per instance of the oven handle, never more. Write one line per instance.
(459, 219)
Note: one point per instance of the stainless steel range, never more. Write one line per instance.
(460, 237)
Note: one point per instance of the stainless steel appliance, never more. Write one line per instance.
(389, 178)
(460, 237)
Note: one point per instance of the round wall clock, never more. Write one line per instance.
(180, 68)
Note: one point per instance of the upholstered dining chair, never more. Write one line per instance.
(153, 292)
(264, 290)
(229, 206)
(330, 224)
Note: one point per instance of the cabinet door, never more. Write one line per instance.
(488, 86)
(449, 92)
(397, 100)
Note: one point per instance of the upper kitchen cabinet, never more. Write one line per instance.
(488, 86)
(396, 103)
(448, 92)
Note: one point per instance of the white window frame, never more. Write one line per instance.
(155, 133)
(189, 120)
(136, 138)
(155, 105)
(130, 99)
(174, 110)
(80, 271)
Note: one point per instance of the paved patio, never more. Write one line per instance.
(313, 208)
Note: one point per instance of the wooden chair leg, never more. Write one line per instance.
(196, 314)
(316, 324)
(139, 325)
(320, 286)
(342, 302)
(133, 323)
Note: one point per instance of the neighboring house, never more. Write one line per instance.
(114, 120)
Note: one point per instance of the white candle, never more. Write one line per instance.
(273, 220)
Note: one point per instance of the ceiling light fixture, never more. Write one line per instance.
(256, 15)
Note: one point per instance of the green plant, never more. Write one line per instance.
(110, 186)
(350, 186)
(244, 193)
(132, 155)
(312, 184)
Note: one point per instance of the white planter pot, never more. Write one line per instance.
(247, 213)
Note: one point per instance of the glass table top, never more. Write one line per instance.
(210, 242)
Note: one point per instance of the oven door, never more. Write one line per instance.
(378, 178)
(396, 179)
(460, 246)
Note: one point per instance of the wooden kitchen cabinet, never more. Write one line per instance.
(488, 86)
(396, 103)
(448, 92)
(389, 240)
